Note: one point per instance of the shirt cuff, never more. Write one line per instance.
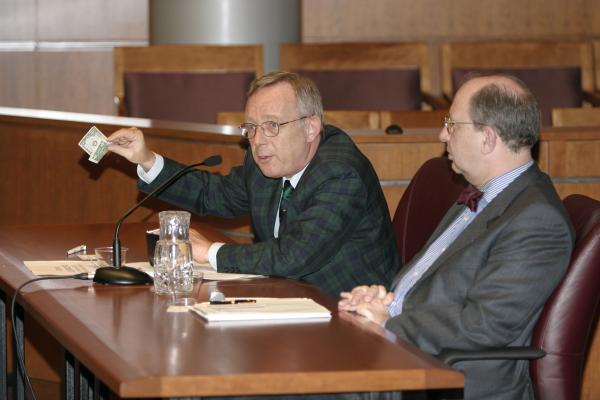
(152, 173)
(212, 254)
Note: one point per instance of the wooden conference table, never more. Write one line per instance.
(121, 341)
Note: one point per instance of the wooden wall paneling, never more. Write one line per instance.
(91, 20)
(591, 189)
(79, 81)
(583, 159)
(400, 160)
(436, 21)
(18, 77)
(48, 179)
(17, 20)
(597, 61)
(393, 194)
(579, 158)
(542, 155)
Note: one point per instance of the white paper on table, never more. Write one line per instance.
(263, 309)
(207, 271)
(61, 267)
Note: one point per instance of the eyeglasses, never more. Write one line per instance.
(270, 128)
(449, 124)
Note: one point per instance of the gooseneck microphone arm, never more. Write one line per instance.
(121, 275)
(209, 162)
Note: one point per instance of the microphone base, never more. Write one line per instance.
(122, 276)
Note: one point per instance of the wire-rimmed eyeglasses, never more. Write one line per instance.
(449, 124)
(270, 128)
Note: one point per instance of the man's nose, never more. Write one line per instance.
(259, 136)
(444, 135)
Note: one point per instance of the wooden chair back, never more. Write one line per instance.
(582, 116)
(558, 73)
(164, 80)
(363, 76)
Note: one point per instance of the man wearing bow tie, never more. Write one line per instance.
(484, 275)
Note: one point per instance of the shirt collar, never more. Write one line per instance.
(295, 178)
(492, 188)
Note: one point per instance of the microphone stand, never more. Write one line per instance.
(122, 275)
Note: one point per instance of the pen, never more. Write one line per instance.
(237, 301)
(77, 249)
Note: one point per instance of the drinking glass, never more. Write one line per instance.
(173, 267)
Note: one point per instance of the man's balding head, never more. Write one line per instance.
(504, 103)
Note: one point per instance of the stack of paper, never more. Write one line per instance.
(200, 270)
(262, 308)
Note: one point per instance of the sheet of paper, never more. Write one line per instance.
(207, 272)
(61, 267)
(262, 309)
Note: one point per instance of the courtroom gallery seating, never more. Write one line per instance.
(559, 74)
(364, 76)
(568, 318)
(184, 82)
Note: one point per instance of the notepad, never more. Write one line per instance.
(264, 309)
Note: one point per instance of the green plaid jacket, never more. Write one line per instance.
(337, 235)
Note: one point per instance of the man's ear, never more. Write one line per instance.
(313, 128)
(489, 140)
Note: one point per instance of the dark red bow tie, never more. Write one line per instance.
(470, 196)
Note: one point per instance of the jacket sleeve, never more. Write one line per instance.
(201, 192)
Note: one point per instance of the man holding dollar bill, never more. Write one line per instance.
(317, 209)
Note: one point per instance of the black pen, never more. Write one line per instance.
(237, 301)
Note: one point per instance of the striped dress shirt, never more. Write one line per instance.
(490, 190)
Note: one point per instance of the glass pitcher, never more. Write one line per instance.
(174, 225)
(173, 261)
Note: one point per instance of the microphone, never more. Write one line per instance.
(120, 275)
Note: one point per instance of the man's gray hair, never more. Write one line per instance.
(307, 94)
(513, 114)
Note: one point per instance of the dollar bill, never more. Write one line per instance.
(95, 144)
(99, 152)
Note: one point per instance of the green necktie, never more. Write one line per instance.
(286, 194)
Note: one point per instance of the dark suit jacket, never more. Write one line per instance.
(337, 234)
(488, 288)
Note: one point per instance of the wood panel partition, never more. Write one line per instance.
(46, 178)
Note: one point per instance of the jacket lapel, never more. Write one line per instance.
(493, 210)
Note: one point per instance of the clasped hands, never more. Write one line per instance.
(369, 301)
